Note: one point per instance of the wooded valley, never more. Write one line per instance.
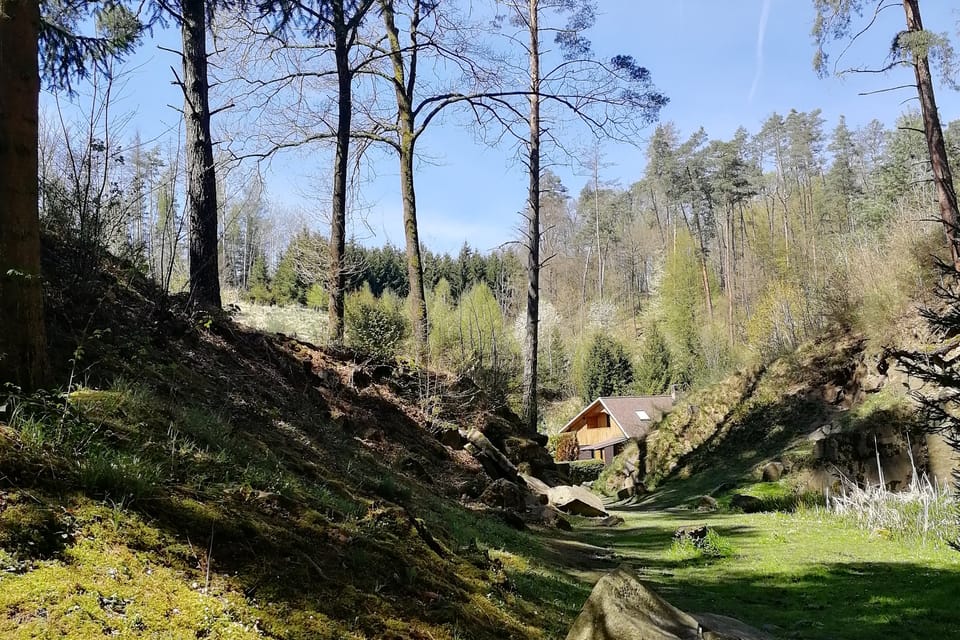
(225, 397)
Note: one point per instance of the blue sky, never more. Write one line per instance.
(722, 63)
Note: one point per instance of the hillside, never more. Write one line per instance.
(823, 415)
(203, 480)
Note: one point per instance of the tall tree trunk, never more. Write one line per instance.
(529, 403)
(731, 284)
(403, 87)
(942, 177)
(23, 345)
(418, 304)
(201, 177)
(338, 216)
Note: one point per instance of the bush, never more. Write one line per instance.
(566, 447)
(585, 471)
(712, 545)
(374, 326)
(317, 297)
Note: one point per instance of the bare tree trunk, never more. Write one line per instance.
(529, 402)
(418, 304)
(201, 176)
(338, 217)
(23, 352)
(942, 177)
(731, 265)
(403, 86)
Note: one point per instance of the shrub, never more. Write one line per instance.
(585, 470)
(317, 297)
(567, 447)
(378, 327)
(712, 545)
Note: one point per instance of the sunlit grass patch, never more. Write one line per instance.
(295, 321)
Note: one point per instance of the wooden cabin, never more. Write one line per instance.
(604, 426)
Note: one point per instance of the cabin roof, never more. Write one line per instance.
(634, 415)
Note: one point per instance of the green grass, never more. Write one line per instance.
(801, 575)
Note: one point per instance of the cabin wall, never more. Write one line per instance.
(594, 436)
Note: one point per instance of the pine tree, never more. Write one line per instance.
(607, 370)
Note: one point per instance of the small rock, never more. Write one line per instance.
(360, 379)
(695, 534)
(611, 521)
(707, 503)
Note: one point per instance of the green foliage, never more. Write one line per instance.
(444, 323)
(778, 322)
(711, 546)
(553, 362)
(317, 297)
(287, 286)
(375, 326)
(653, 368)
(585, 471)
(683, 310)
(259, 290)
(607, 370)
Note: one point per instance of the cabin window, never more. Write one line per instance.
(643, 415)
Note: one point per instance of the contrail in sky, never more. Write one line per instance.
(761, 34)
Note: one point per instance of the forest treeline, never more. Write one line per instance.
(721, 252)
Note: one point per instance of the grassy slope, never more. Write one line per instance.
(209, 481)
(752, 417)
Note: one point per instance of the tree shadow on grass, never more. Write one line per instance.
(817, 601)
(832, 600)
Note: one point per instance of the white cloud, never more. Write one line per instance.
(761, 35)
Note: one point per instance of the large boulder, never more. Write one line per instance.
(621, 607)
(505, 495)
(532, 456)
(494, 462)
(577, 500)
(854, 454)
(537, 487)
